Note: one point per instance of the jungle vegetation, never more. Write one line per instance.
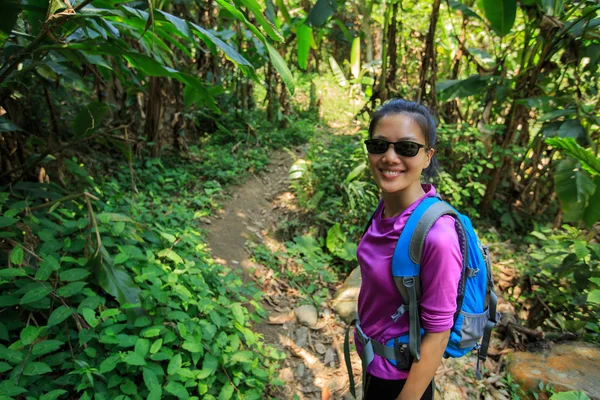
(122, 123)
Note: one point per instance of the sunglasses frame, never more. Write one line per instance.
(396, 146)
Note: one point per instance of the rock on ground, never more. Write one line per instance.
(567, 366)
(307, 315)
(345, 302)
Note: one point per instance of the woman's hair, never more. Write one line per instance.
(420, 114)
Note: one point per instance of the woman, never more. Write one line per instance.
(402, 137)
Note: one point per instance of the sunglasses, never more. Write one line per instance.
(403, 148)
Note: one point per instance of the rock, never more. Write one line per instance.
(329, 357)
(301, 336)
(307, 315)
(345, 301)
(286, 375)
(320, 348)
(300, 370)
(567, 366)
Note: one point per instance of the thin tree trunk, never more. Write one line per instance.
(392, 49)
(428, 66)
(154, 113)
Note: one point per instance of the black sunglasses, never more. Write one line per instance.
(403, 148)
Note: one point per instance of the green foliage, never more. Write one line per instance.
(501, 14)
(571, 395)
(564, 271)
(119, 296)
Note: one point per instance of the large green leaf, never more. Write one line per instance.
(501, 14)
(586, 158)
(464, 9)
(10, 12)
(355, 58)
(452, 89)
(574, 189)
(591, 214)
(553, 8)
(89, 118)
(281, 67)
(304, 34)
(321, 12)
(229, 51)
(115, 280)
(256, 9)
(237, 14)
(571, 395)
(337, 72)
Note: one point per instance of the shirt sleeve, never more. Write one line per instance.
(441, 266)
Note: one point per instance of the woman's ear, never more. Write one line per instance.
(429, 157)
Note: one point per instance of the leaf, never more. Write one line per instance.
(355, 58)
(121, 258)
(335, 238)
(10, 12)
(337, 72)
(355, 173)
(174, 364)
(59, 315)
(238, 313)
(573, 129)
(571, 395)
(256, 9)
(16, 255)
(237, 14)
(70, 289)
(320, 12)
(588, 160)
(7, 388)
(45, 347)
(591, 214)
(150, 379)
(281, 67)
(142, 346)
(5, 367)
(12, 272)
(501, 14)
(6, 221)
(304, 34)
(115, 280)
(36, 368)
(29, 334)
(110, 363)
(573, 188)
(35, 294)
(156, 346)
(464, 9)
(54, 394)
(453, 89)
(132, 358)
(89, 118)
(594, 297)
(226, 392)
(177, 389)
(10, 355)
(90, 317)
(74, 274)
(553, 8)
(243, 356)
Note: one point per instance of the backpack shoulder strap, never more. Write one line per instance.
(406, 262)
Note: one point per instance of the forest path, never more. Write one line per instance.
(314, 366)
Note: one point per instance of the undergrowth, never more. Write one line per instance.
(112, 294)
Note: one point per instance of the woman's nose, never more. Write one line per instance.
(390, 155)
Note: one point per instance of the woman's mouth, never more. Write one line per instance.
(390, 173)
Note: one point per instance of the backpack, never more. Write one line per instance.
(476, 313)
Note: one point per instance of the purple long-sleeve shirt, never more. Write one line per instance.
(379, 298)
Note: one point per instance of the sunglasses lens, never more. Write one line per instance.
(376, 146)
(407, 149)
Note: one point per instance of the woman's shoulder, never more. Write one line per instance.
(442, 232)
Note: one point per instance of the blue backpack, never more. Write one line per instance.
(476, 302)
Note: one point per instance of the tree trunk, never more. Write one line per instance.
(393, 49)
(451, 110)
(428, 66)
(154, 113)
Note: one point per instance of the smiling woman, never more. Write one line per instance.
(401, 143)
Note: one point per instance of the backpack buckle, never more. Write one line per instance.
(408, 281)
(472, 272)
(399, 312)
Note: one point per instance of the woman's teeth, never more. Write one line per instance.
(391, 173)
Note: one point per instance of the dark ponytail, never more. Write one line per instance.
(421, 115)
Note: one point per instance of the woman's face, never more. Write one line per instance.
(394, 173)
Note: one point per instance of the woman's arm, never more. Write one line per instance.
(422, 372)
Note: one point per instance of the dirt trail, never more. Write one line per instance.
(312, 369)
